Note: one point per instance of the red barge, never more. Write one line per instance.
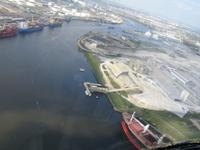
(8, 31)
(141, 134)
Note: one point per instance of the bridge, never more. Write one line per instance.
(95, 87)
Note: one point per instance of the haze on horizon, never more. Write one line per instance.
(182, 11)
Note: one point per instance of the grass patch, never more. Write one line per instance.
(95, 62)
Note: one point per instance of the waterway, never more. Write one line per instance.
(42, 100)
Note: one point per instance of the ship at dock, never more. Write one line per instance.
(7, 31)
(141, 134)
(30, 26)
(55, 22)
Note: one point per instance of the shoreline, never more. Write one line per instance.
(95, 63)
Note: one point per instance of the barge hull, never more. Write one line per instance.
(128, 134)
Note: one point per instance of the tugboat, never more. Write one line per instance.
(29, 27)
(141, 134)
(7, 31)
(55, 22)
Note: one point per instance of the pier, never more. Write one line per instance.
(95, 87)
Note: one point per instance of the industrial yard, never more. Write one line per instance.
(166, 79)
(161, 86)
(105, 44)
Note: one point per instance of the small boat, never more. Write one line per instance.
(82, 70)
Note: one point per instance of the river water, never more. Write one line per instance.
(42, 100)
